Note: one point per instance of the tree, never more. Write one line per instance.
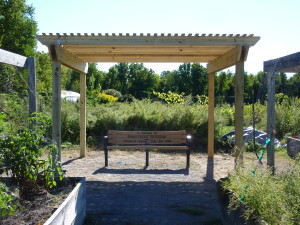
(17, 34)
(185, 78)
(122, 77)
(224, 87)
(142, 81)
(199, 79)
(94, 77)
(17, 27)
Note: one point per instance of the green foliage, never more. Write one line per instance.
(170, 97)
(105, 98)
(22, 152)
(275, 198)
(113, 93)
(7, 206)
(18, 27)
(15, 110)
(202, 99)
(287, 117)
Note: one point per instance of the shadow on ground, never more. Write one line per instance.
(141, 171)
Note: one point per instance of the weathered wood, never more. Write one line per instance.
(211, 119)
(30, 64)
(226, 60)
(147, 140)
(239, 111)
(271, 121)
(285, 64)
(56, 106)
(82, 114)
(12, 58)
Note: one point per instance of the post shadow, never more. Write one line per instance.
(209, 170)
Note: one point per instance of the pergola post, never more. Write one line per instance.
(56, 106)
(82, 114)
(271, 120)
(239, 111)
(30, 64)
(211, 119)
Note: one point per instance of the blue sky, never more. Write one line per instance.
(277, 22)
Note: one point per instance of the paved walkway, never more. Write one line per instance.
(125, 193)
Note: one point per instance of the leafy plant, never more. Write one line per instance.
(170, 97)
(7, 206)
(22, 153)
(113, 92)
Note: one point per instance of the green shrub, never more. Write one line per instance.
(170, 97)
(21, 154)
(276, 199)
(287, 117)
(70, 122)
(113, 92)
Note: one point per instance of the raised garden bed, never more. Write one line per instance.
(64, 204)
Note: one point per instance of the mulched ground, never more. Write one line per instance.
(164, 193)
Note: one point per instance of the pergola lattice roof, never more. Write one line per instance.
(150, 47)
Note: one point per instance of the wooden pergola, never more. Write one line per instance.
(219, 51)
(285, 64)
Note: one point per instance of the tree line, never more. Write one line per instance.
(17, 34)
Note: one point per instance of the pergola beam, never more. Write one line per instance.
(226, 60)
(58, 53)
(285, 64)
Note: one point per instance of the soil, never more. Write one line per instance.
(39, 209)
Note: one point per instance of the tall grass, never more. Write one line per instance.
(154, 115)
(276, 199)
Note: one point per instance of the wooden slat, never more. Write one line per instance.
(148, 137)
(144, 141)
(112, 132)
(148, 147)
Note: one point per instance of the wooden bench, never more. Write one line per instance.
(147, 140)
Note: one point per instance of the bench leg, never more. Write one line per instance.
(106, 157)
(188, 153)
(147, 158)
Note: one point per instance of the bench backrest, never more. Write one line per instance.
(147, 137)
